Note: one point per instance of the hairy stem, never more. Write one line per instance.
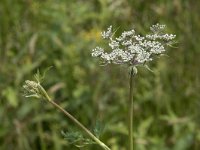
(130, 114)
(92, 136)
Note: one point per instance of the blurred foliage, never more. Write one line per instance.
(38, 34)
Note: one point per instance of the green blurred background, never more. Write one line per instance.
(36, 34)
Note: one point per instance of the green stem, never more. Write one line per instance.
(130, 115)
(81, 126)
(92, 136)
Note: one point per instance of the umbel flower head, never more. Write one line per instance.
(133, 49)
(34, 89)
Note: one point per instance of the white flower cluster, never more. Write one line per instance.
(107, 34)
(133, 49)
(157, 28)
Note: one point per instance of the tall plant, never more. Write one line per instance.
(133, 50)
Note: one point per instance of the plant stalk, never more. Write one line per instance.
(130, 114)
(92, 136)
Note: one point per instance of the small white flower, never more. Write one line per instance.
(114, 44)
(143, 57)
(125, 34)
(130, 48)
(98, 51)
(138, 38)
(107, 34)
(126, 43)
(157, 27)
